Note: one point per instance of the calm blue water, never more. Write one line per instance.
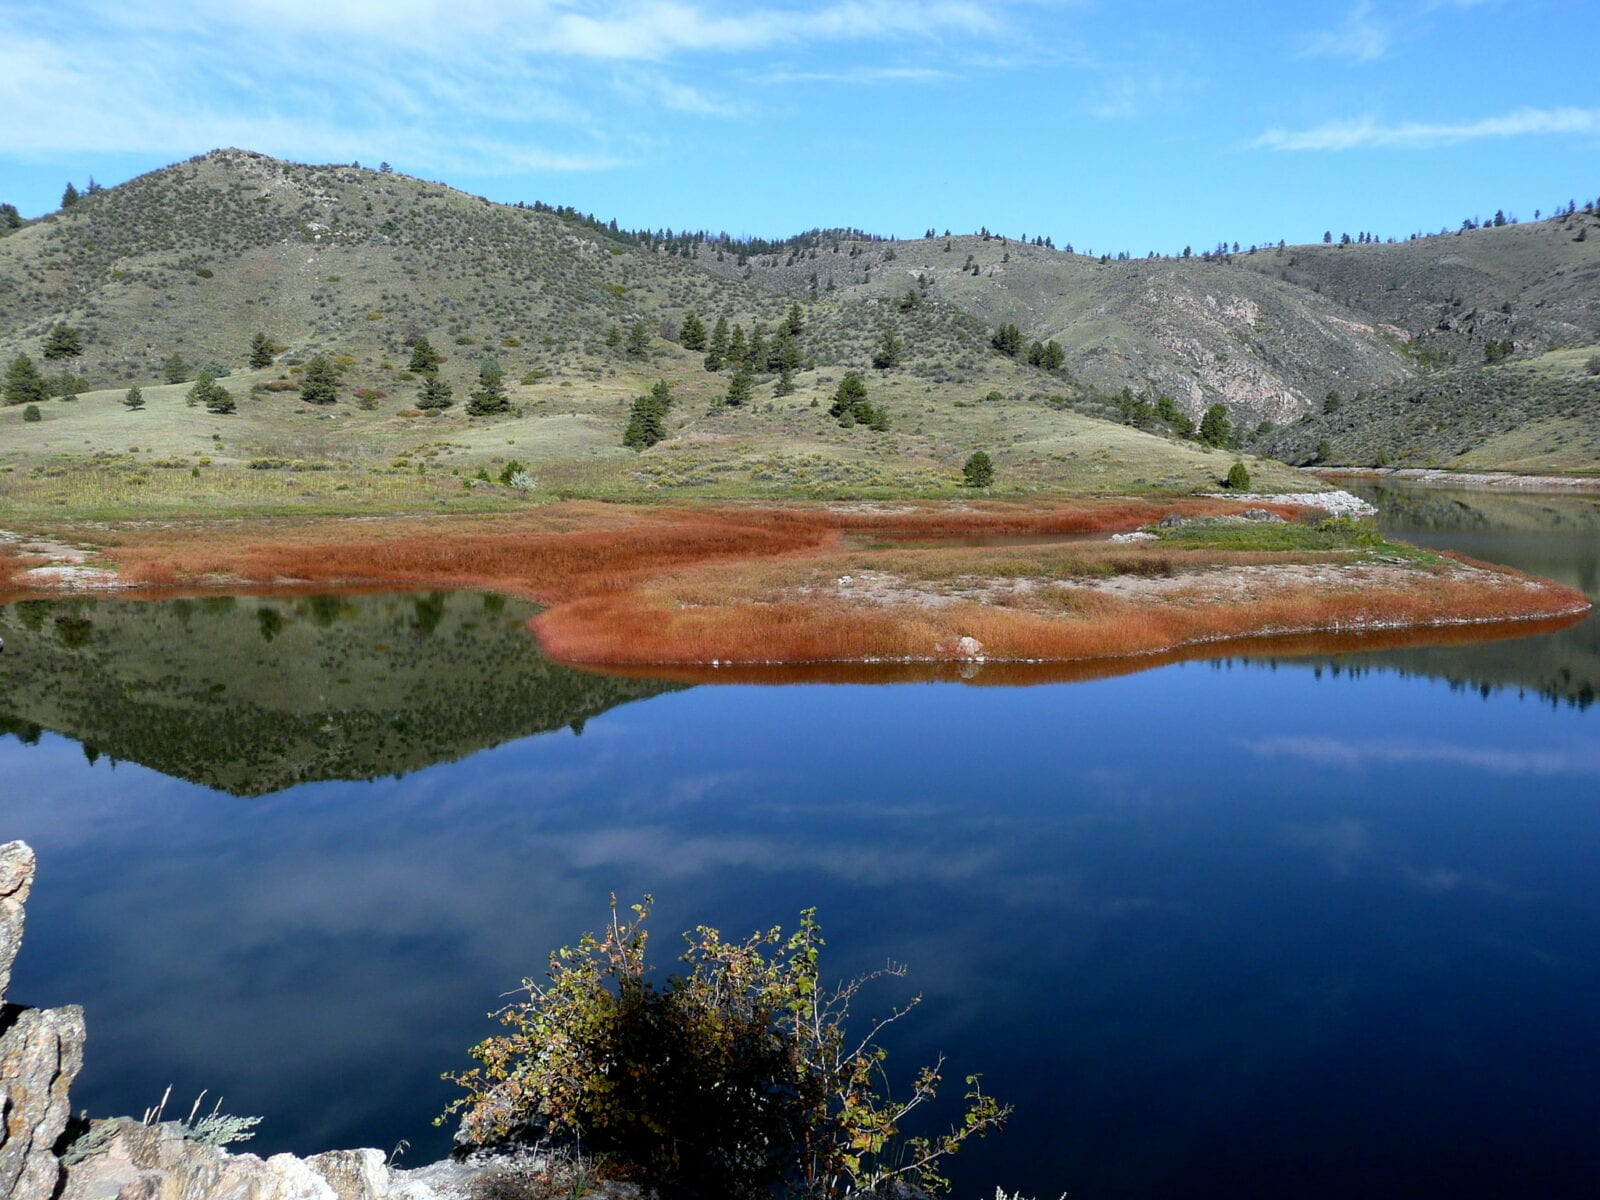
(1245, 929)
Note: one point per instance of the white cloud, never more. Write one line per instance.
(1367, 133)
(435, 85)
(853, 75)
(1360, 37)
(1378, 752)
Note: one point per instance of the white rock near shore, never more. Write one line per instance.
(1338, 503)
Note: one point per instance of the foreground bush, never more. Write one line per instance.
(731, 1077)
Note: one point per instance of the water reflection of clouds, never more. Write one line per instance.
(1351, 753)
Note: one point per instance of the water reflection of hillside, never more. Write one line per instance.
(1556, 536)
(252, 694)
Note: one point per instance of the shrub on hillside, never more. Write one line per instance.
(731, 1077)
(32, 413)
(978, 471)
(1238, 479)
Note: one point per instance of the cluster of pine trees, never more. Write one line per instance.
(1009, 341)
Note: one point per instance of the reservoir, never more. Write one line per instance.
(1257, 927)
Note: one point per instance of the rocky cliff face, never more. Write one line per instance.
(41, 1051)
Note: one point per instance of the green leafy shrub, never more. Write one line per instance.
(732, 1076)
(1238, 479)
(978, 471)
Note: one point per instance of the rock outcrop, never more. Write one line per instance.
(41, 1052)
(126, 1160)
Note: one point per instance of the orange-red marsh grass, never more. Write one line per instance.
(793, 583)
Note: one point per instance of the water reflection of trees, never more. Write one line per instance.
(252, 694)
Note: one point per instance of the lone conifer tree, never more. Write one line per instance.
(436, 394)
(888, 352)
(174, 370)
(320, 383)
(717, 351)
(1215, 429)
(740, 387)
(63, 341)
(978, 471)
(693, 333)
(219, 400)
(70, 196)
(24, 384)
(489, 398)
(134, 400)
(424, 358)
(260, 351)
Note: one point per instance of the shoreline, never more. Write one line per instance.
(1489, 481)
(713, 587)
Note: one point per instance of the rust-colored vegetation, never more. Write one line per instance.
(795, 584)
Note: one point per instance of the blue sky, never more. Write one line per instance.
(1136, 125)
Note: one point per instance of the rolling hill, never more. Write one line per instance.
(195, 259)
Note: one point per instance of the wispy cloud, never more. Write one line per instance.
(437, 85)
(1378, 752)
(1368, 133)
(853, 75)
(1361, 37)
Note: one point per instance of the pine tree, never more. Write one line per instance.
(978, 471)
(737, 349)
(1008, 340)
(717, 351)
(639, 340)
(740, 387)
(200, 393)
(1215, 429)
(70, 196)
(24, 383)
(10, 217)
(174, 370)
(647, 419)
(795, 322)
(63, 341)
(785, 353)
(320, 382)
(424, 358)
(261, 352)
(489, 398)
(693, 334)
(219, 400)
(435, 395)
(888, 352)
(134, 400)
(785, 384)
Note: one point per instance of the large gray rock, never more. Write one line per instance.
(16, 881)
(125, 1160)
(41, 1052)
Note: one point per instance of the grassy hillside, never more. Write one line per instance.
(1202, 332)
(197, 258)
(1536, 413)
(250, 695)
